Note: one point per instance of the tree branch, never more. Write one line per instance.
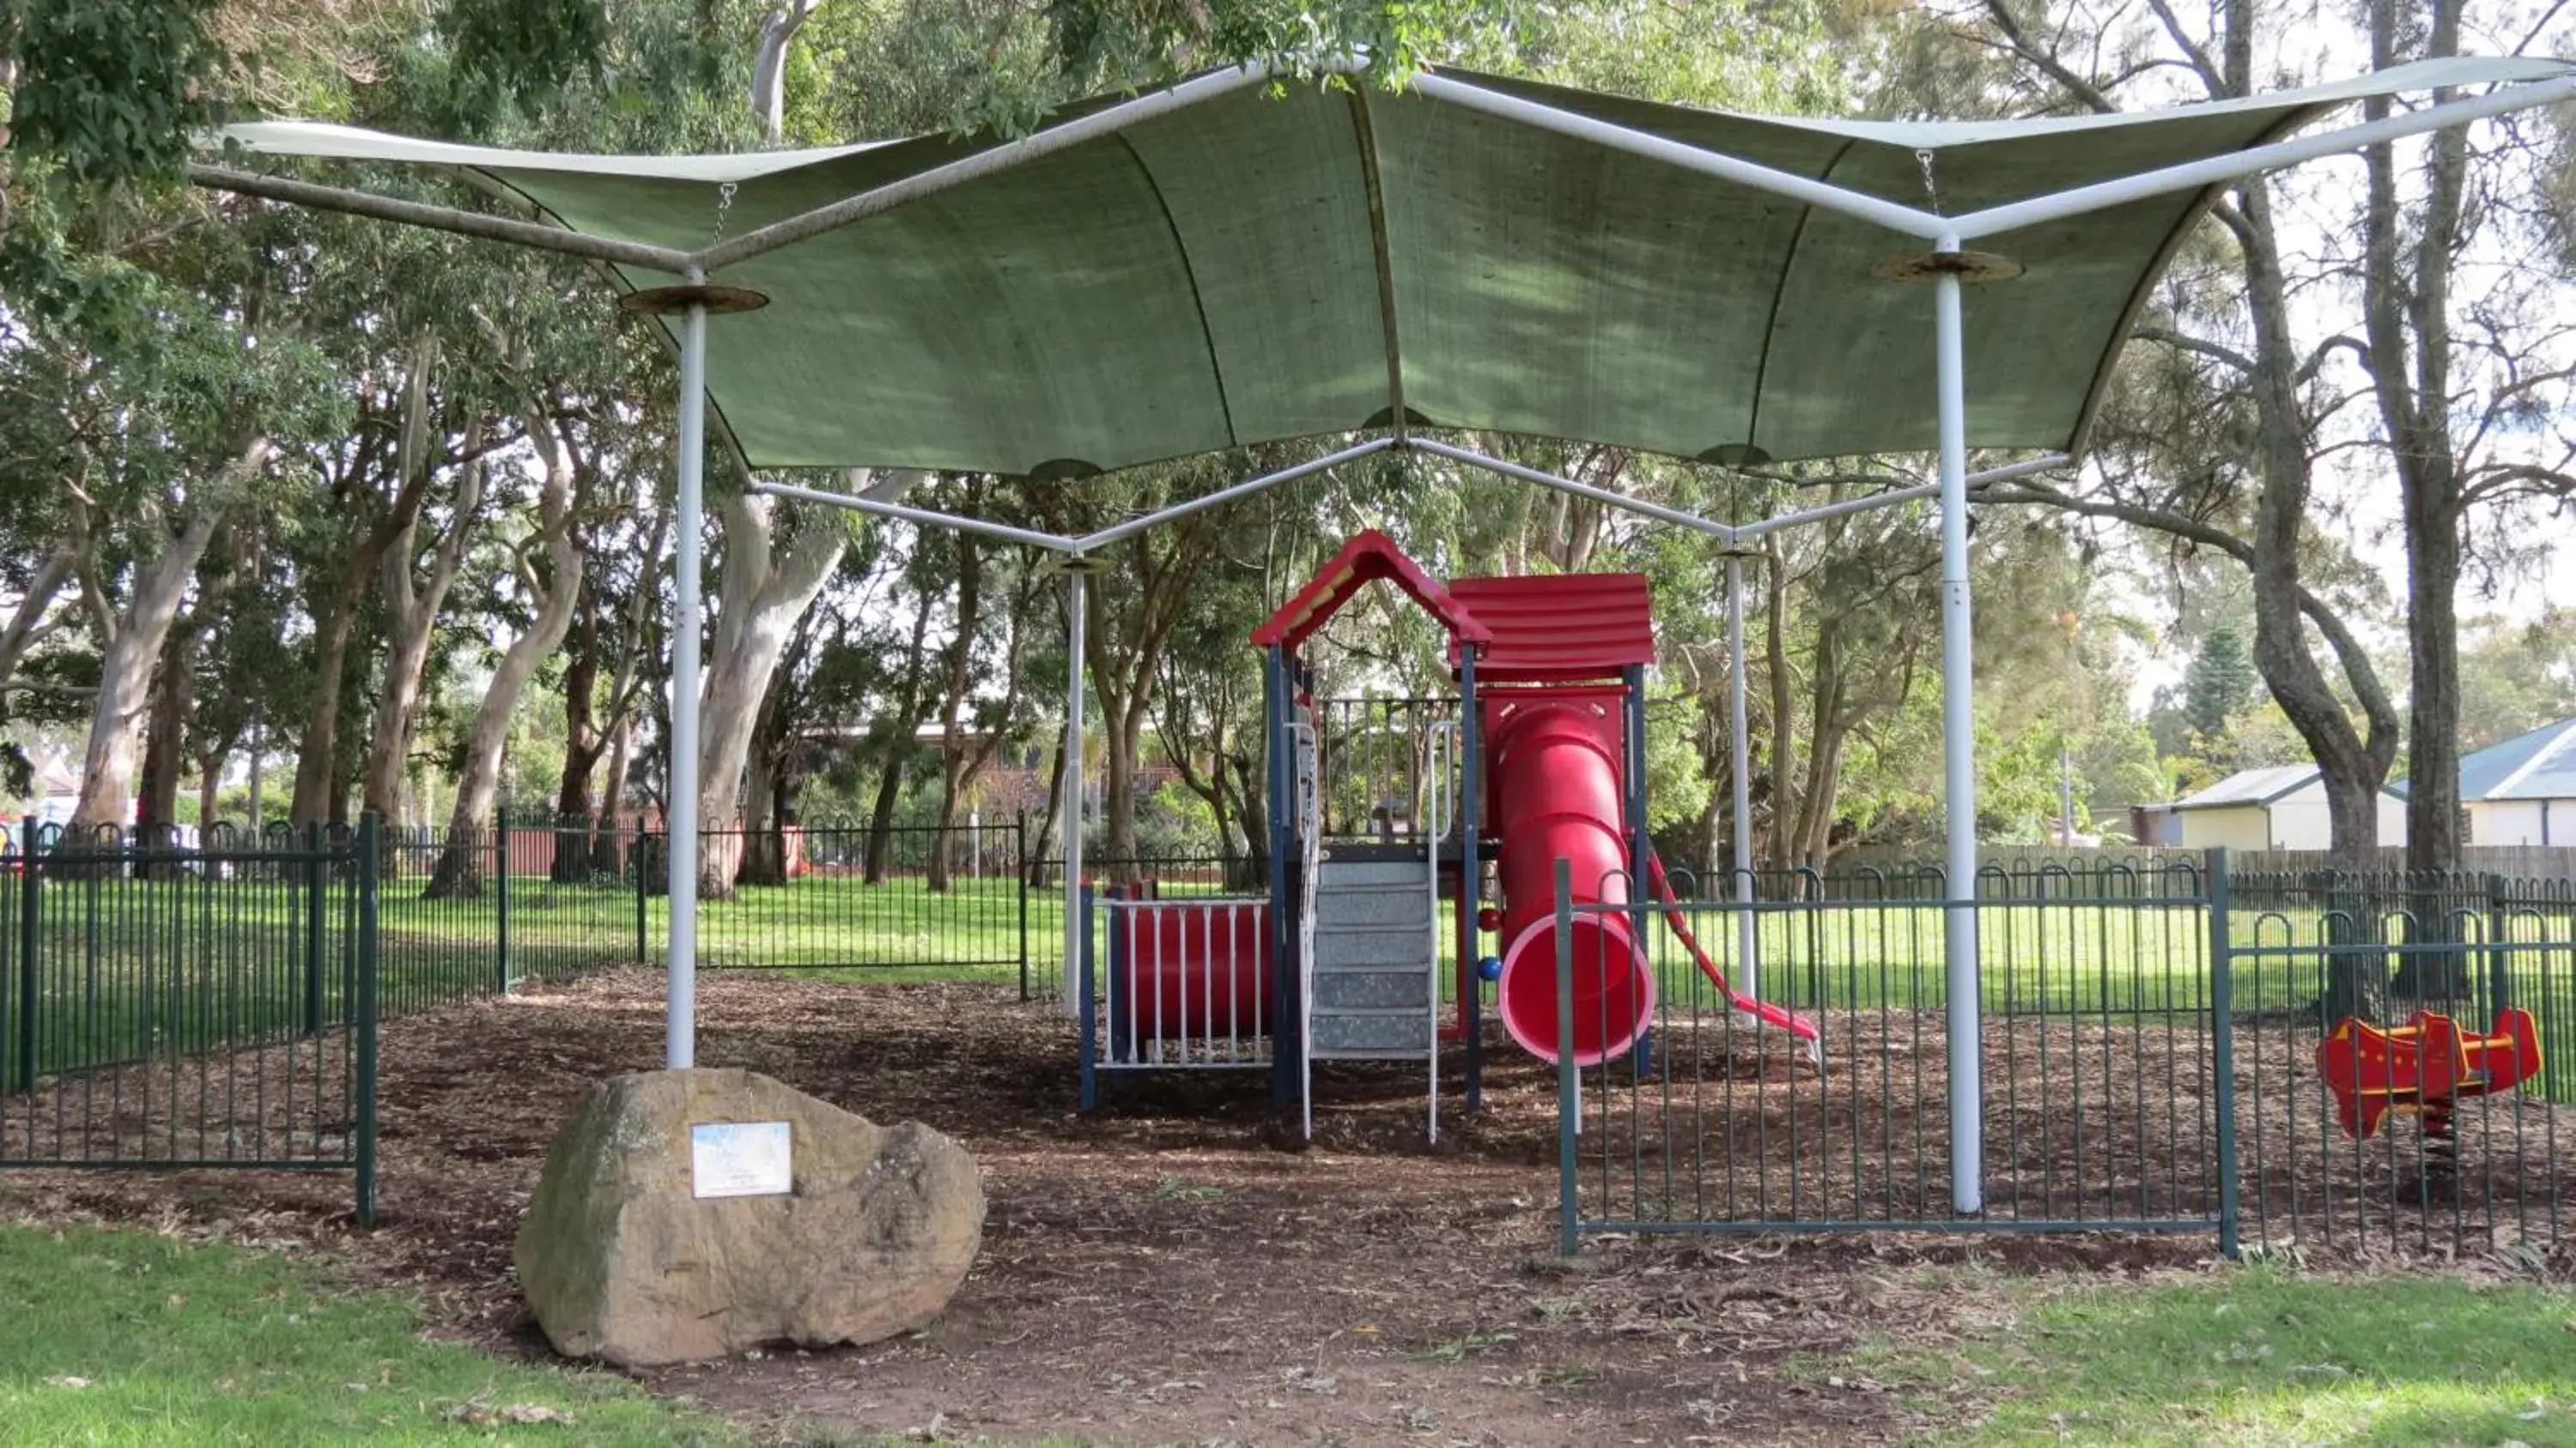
(2083, 91)
(2192, 51)
(2185, 342)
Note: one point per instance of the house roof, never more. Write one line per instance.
(2267, 786)
(2251, 787)
(2537, 765)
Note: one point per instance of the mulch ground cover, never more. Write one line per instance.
(1178, 1267)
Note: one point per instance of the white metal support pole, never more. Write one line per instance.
(1071, 809)
(1748, 934)
(680, 1010)
(1959, 751)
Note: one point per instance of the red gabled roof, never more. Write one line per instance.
(1363, 560)
(1559, 627)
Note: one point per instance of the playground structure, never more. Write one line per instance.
(1537, 761)
(2423, 1068)
(1120, 285)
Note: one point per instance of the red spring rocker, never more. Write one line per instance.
(2423, 1068)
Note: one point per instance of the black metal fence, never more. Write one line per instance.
(187, 999)
(2148, 1038)
(213, 1006)
(954, 901)
(2492, 1170)
(469, 912)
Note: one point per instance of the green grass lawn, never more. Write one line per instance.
(116, 1337)
(2254, 1357)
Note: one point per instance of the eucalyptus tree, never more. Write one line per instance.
(2264, 336)
(984, 690)
(147, 395)
(544, 567)
(618, 632)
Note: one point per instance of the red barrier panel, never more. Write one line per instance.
(1196, 971)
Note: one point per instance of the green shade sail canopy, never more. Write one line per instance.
(1253, 266)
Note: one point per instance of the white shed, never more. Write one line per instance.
(2523, 791)
(2281, 808)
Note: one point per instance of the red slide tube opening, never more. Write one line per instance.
(1555, 791)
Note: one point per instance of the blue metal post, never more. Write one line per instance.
(1471, 793)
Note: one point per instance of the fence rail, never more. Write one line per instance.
(470, 912)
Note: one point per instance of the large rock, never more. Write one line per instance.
(623, 1261)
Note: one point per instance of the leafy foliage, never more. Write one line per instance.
(110, 90)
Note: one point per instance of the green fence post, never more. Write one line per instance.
(501, 894)
(1569, 1096)
(2499, 946)
(317, 872)
(639, 859)
(365, 1155)
(1020, 872)
(2222, 1052)
(30, 918)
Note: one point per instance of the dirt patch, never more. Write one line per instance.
(1176, 1267)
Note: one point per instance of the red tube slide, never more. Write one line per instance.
(1553, 781)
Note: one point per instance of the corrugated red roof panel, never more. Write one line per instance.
(1559, 627)
(1366, 558)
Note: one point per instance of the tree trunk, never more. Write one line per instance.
(2407, 318)
(611, 829)
(335, 613)
(759, 603)
(1252, 796)
(210, 784)
(1775, 638)
(897, 748)
(317, 751)
(412, 618)
(258, 772)
(133, 643)
(27, 622)
(478, 781)
(634, 647)
(956, 758)
(583, 744)
(2353, 765)
(880, 851)
(778, 27)
(764, 836)
(1046, 852)
(1122, 735)
(156, 816)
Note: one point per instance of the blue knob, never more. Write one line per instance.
(1489, 968)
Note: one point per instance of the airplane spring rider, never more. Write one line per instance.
(2423, 1068)
(1537, 759)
